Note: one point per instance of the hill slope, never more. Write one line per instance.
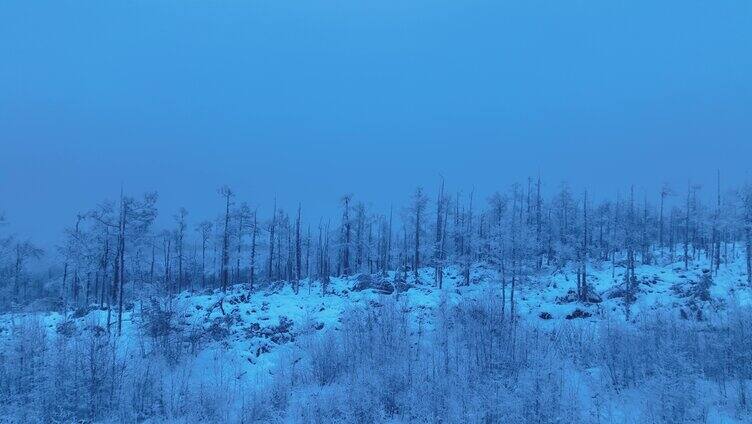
(242, 337)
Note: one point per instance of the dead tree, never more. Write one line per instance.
(227, 194)
(180, 220)
(665, 192)
(418, 206)
(297, 252)
(439, 241)
(686, 228)
(205, 230)
(583, 273)
(346, 230)
(272, 226)
(252, 264)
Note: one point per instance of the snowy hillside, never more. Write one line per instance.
(254, 323)
(246, 337)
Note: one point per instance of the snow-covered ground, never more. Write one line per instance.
(244, 338)
(251, 329)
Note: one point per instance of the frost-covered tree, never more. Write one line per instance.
(180, 226)
(227, 195)
(204, 230)
(416, 216)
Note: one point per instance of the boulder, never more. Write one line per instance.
(284, 326)
(401, 286)
(578, 313)
(66, 328)
(377, 284)
(363, 282)
(571, 296)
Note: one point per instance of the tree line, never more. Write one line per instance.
(113, 254)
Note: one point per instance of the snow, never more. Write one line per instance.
(254, 337)
(660, 288)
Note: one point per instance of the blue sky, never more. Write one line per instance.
(307, 100)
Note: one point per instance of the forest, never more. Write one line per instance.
(433, 312)
(112, 253)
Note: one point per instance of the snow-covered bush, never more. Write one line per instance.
(385, 363)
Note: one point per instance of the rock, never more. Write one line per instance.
(281, 338)
(578, 313)
(66, 328)
(401, 286)
(593, 297)
(252, 330)
(683, 314)
(81, 312)
(363, 282)
(96, 330)
(264, 348)
(284, 326)
(217, 331)
(545, 315)
(368, 282)
(571, 296)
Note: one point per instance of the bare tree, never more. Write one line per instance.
(227, 194)
(468, 244)
(181, 224)
(24, 252)
(242, 217)
(665, 192)
(686, 226)
(296, 286)
(204, 229)
(131, 225)
(346, 200)
(417, 209)
(272, 226)
(440, 240)
(252, 264)
(582, 274)
(747, 226)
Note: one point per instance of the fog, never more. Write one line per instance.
(307, 101)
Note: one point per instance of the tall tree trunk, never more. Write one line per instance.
(297, 252)
(584, 288)
(468, 246)
(272, 226)
(538, 206)
(438, 253)
(748, 232)
(226, 241)
(252, 267)
(686, 231)
(121, 264)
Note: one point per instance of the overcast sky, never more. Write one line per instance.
(307, 100)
